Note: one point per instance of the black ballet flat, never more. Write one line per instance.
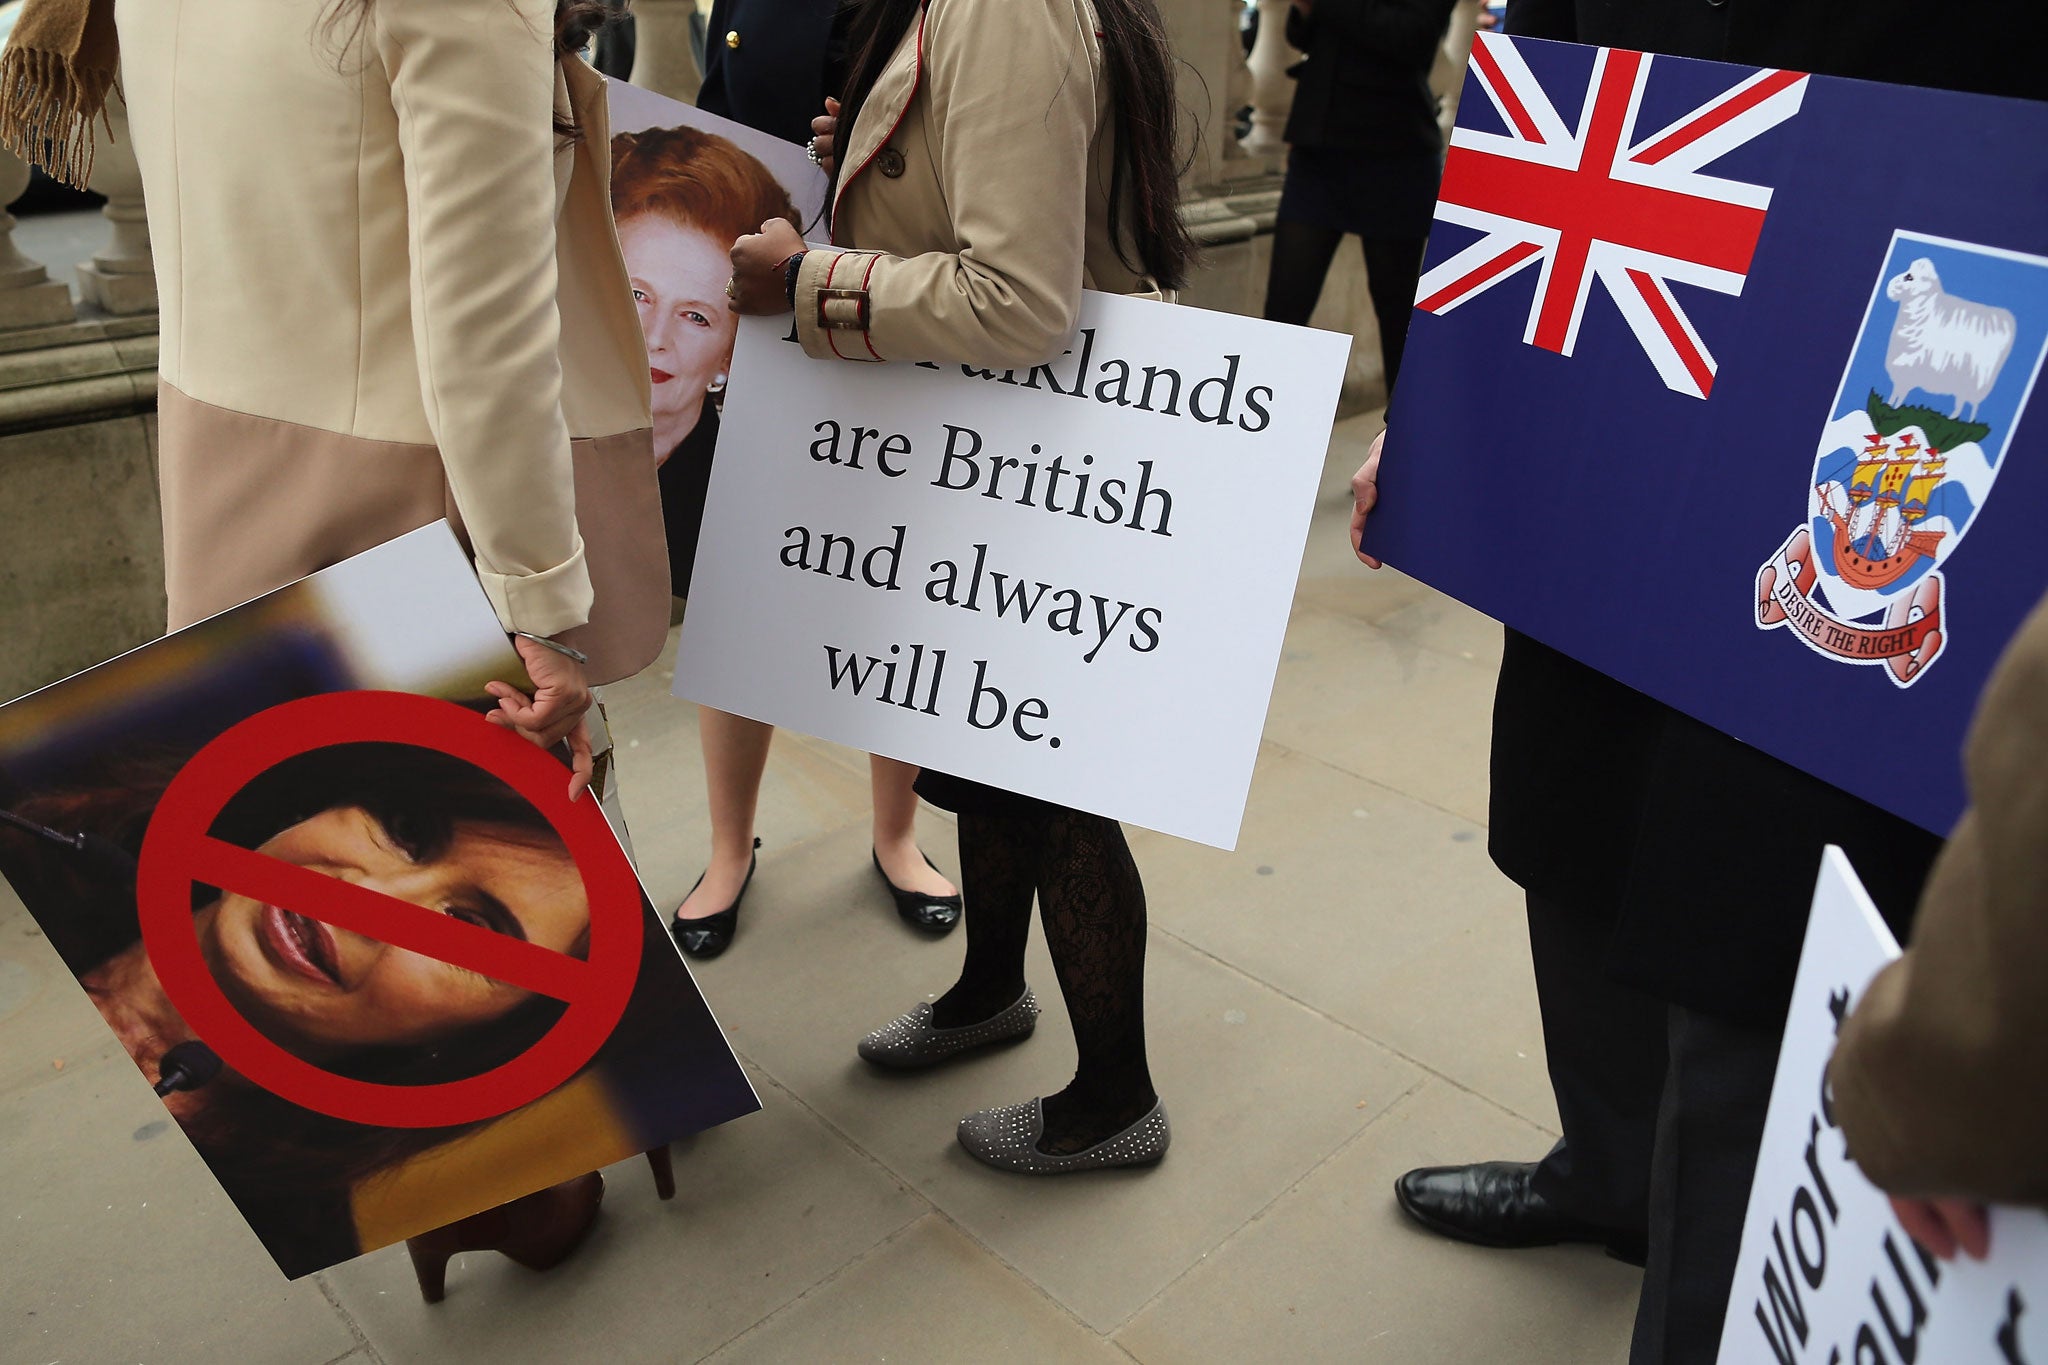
(711, 935)
(935, 915)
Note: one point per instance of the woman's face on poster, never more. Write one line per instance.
(679, 275)
(318, 989)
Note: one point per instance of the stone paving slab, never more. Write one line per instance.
(1334, 1272)
(116, 1244)
(766, 1207)
(929, 1293)
(1258, 1088)
(47, 1025)
(1447, 626)
(1385, 708)
(1376, 909)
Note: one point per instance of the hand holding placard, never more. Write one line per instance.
(1826, 1271)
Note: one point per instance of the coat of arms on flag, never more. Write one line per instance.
(1603, 200)
(1941, 370)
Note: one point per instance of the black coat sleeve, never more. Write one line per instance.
(1301, 30)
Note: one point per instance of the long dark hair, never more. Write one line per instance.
(1144, 108)
(293, 1172)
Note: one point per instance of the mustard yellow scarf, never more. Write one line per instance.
(60, 62)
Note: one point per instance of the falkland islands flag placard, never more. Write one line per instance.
(1759, 352)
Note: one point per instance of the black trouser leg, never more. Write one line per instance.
(1092, 902)
(1709, 1130)
(1302, 253)
(999, 863)
(1606, 1048)
(1393, 265)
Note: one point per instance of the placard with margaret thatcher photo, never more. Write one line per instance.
(686, 184)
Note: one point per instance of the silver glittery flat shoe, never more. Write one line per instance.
(910, 1040)
(1007, 1138)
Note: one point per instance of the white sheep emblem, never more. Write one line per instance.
(1941, 344)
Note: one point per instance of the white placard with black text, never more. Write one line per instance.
(1827, 1275)
(1070, 581)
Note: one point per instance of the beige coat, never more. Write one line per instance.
(1941, 1079)
(968, 250)
(391, 293)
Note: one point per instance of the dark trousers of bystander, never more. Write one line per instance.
(1710, 1127)
(1605, 1045)
(1662, 1110)
(1302, 253)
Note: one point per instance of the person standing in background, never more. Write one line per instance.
(997, 158)
(1364, 156)
(1669, 867)
(391, 293)
(772, 65)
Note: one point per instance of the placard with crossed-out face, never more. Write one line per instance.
(364, 925)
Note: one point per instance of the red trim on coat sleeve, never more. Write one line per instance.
(867, 333)
(830, 339)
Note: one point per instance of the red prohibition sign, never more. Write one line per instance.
(178, 852)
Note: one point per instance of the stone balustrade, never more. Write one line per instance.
(81, 568)
(65, 359)
(663, 58)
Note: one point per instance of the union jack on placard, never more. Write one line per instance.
(1597, 201)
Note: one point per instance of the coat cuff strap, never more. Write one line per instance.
(835, 305)
(544, 603)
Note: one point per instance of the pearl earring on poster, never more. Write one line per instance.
(717, 385)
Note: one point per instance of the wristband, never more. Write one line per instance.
(791, 268)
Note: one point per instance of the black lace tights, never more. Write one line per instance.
(1093, 906)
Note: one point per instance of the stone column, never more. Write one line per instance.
(1205, 39)
(121, 276)
(1447, 77)
(662, 60)
(1272, 91)
(28, 296)
(1238, 96)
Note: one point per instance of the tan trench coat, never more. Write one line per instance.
(964, 250)
(391, 293)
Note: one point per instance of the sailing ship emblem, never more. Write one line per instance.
(1901, 475)
(1876, 520)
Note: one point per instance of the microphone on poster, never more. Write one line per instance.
(187, 1066)
(96, 848)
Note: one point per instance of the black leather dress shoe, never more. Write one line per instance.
(934, 914)
(1493, 1204)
